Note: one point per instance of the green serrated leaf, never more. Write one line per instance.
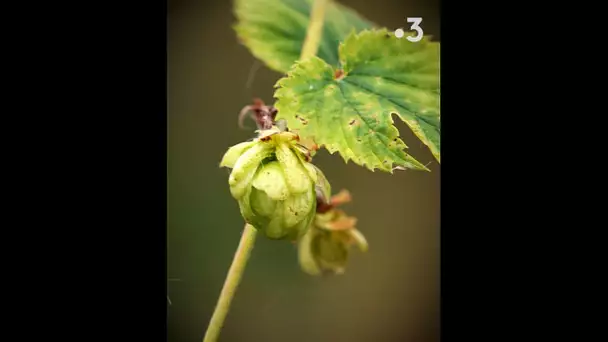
(350, 111)
(274, 30)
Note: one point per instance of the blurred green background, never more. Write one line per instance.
(390, 293)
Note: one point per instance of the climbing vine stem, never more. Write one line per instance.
(315, 29)
(231, 284)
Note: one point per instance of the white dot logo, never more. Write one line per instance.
(415, 21)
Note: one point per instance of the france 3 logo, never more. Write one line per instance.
(415, 26)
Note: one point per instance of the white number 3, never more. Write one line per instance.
(415, 22)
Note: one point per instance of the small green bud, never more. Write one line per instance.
(273, 183)
(326, 245)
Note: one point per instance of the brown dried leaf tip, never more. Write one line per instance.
(339, 74)
(262, 114)
(336, 200)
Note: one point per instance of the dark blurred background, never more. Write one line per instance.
(390, 293)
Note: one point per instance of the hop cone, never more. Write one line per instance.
(274, 183)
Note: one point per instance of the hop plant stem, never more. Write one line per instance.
(315, 29)
(232, 281)
(309, 49)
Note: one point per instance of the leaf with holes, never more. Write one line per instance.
(350, 110)
(274, 30)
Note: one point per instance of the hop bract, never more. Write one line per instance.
(273, 183)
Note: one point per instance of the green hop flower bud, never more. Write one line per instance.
(273, 183)
(325, 246)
